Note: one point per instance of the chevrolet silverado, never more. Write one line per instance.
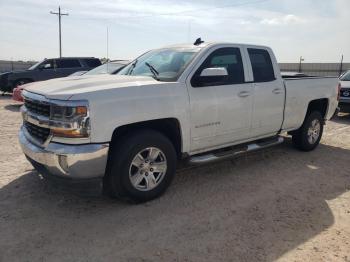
(195, 103)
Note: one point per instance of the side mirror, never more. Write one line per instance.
(214, 71)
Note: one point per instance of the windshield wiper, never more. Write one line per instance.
(153, 71)
(132, 67)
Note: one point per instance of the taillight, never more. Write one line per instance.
(339, 87)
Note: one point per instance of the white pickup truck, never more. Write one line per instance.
(198, 103)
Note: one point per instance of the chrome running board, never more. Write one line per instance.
(234, 151)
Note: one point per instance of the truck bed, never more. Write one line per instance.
(299, 91)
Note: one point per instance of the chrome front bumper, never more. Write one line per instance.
(70, 161)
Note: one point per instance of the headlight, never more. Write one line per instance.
(71, 121)
(64, 113)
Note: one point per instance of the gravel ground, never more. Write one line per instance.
(278, 204)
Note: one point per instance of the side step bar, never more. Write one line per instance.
(234, 151)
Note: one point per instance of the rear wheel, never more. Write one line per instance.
(141, 167)
(308, 136)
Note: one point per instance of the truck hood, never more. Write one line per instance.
(64, 88)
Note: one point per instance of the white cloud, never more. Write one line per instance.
(291, 28)
(289, 19)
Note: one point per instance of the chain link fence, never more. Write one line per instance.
(315, 69)
(6, 66)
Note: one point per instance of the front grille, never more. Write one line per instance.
(345, 92)
(39, 133)
(37, 107)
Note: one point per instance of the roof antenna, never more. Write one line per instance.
(198, 41)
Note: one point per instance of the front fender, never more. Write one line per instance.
(120, 107)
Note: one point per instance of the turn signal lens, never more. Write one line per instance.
(81, 110)
(69, 133)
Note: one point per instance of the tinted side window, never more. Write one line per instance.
(47, 64)
(262, 65)
(228, 57)
(92, 62)
(68, 63)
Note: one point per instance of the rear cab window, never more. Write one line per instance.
(261, 65)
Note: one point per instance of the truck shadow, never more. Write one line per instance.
(13, 107)
(341, 118)
(255, 208)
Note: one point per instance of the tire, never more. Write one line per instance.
(308, 136)
(132, 177)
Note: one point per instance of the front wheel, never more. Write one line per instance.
(141, 167)
(308, 136)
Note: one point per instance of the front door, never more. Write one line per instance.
(47, 70)
(220, 107)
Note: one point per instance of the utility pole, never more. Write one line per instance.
(300, 60)
(107, 60)
(59, 14)
(341, 65)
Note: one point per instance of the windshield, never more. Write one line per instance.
(163, 64)
(34, 66)
(346, 76)
(107, 68)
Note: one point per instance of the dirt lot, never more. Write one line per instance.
(278, 204)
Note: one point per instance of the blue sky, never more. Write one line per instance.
(318, 30)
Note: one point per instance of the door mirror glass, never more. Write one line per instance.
(214, 71)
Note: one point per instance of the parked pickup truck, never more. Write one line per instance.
(195, 103)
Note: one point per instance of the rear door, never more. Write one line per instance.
(220, 107)
(269, 93)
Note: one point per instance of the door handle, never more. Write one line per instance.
(243, 94)
(277, 91)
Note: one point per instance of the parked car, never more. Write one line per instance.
(195, 103)
(17, 93)
(112, 67)
(78, 73)
(47, 69)
(344, 85)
